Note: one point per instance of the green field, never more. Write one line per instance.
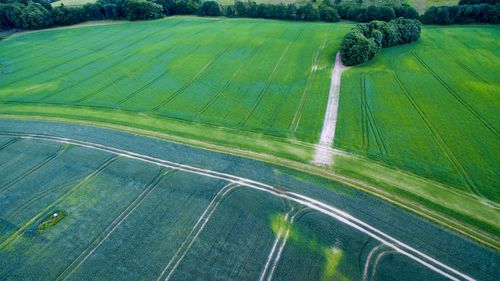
(130, 217)
(257, 76)
(69, 3)
(431, 108)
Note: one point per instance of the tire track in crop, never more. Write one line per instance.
(154, 80)
(13, 60)
(186, 245)
(102, 47)
(9, 143)
(300, 108)
(45, 70)
(268, 81)
(54, 156)
(365, 134)
(120, 78)
(379, 255)
(99, 240)
(30, 51)
(228, 83)
(200, 72)
(287, 227)
(456, 95)
(439, 140)
(368, 122)
(42, 194)
(63, 197)
(110, 67)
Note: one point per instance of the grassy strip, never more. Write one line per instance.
(459, 211)
(51, 220)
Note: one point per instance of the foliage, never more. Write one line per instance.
(363, 42)
(143, 10)
(35, 16)
(480, 13)
(373, 12)
(210, 8)
(474, 2)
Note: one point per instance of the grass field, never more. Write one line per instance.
(431, 108)
(240, 74)
(69, 3)
(129, 219)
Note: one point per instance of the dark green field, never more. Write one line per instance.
(128, 219)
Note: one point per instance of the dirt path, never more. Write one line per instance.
(323, 155)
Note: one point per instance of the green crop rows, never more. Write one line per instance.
(264, 76)
(129, 220)
(430, 108)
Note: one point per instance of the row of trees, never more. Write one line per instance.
(479, 13)
(36, 14)
(372, 12)
(363, 42)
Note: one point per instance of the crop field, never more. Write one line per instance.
(139, 208)
(431, 108)
(268, 77)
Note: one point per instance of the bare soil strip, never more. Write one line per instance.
(323, 156)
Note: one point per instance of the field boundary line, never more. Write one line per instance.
(448, 152)
(53, 156)
(298, 112)
(193, 79)
(68, 193)
(195, 231)
(333, 212)
(99, 240)
(269, 79)
(456, 95)
(221, 91)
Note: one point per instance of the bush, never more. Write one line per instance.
(10, 16)
(210, 8)
(142, 10)
(480, 13)
(35, 16)
(328, 14)
(364, 40)
(356, 48)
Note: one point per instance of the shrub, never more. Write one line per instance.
(142, 10)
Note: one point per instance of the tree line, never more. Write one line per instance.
(363, 42)
(463, 13)
(37, 14)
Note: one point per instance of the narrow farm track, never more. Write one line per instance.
(20, 230)
(333, 212)
(323, 155)
(66, 273)
(188, 242)
(271, 255)
(368, 122)
(27, 173)
(440, 141)
(456, 95)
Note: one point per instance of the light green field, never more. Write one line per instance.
(259, 76)
(431, 108)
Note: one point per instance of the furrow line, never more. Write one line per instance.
(444, 147)
(191, 81)
(456, 95)
(63, 197)
(270, 78)
(229, 82)
(52, 157)
(195, 232)
(311, 203)
(99, 240)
